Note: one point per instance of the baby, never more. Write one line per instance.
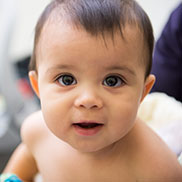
(91, 70)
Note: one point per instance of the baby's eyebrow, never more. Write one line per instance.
(60, 67)
(109, 68)
(121, 68)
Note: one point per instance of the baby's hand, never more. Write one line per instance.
(8, 177)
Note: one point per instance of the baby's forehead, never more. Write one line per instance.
(62, 26)
(58, 36)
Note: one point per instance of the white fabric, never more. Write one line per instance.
(164, 115)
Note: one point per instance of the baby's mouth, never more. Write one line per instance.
(86, 125)
(87, 128)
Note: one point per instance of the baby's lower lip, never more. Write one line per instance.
(87, 129)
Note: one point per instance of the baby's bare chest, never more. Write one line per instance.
(62, 167)
(78, 172)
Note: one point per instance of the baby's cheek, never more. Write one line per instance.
(56, 116)
(125, 116)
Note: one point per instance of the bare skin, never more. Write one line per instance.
(141, 155)
(79, 81)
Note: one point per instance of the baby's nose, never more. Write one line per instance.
(88, 100)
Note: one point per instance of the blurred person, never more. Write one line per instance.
(167, 61)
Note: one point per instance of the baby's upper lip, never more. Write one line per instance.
(88, 121)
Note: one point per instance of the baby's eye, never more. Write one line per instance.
(113, 81)
(66, 80)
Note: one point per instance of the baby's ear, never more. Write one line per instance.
(149, 82)
(34, 81)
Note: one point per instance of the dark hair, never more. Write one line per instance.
(98, 17)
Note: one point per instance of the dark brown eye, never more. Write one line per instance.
(113, 81)
(66, 80)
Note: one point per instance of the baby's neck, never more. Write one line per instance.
(110, 152)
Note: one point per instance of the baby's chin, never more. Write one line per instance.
(93, 147)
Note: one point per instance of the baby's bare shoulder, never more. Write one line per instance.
(33, 129)
(153, 159)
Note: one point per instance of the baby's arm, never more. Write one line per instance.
(22, 164)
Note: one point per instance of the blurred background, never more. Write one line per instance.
(17, 22)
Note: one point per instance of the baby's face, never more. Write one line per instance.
(89, 92)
